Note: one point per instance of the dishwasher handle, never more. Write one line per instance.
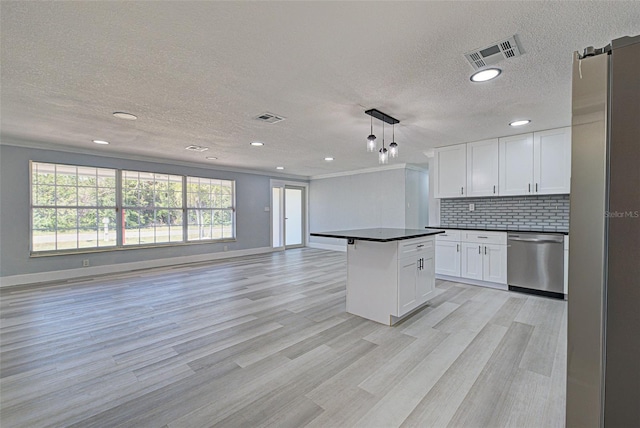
(546, 240)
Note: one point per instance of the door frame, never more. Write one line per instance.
(282, 184)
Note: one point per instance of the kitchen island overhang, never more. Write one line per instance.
(390, 272)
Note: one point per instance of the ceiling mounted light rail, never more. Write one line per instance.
(383, 153)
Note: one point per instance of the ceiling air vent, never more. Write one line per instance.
(270, 118)
(494, 53)
(194, 148)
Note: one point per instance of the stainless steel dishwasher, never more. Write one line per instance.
(535, 263)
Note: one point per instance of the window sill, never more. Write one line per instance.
(126, 248)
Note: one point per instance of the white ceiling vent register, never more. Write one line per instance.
(194, 148)
(496, 52)
(270, 118)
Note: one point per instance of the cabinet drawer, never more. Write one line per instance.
(449, 235)
(415, 246)
(485, 237)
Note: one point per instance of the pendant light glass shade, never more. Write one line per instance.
(371, 140)
(383, 156)
(371, 143)
(393, 147)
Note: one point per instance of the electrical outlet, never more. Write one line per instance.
(472, 207)
(85, 263)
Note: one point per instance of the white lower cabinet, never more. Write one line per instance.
(407, 285)
(448, 258)
(479, 256)
(425, 278)
(388, 280)
(471, 261)
(494, 263)
(415, 281)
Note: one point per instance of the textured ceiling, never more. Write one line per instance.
(199, 72)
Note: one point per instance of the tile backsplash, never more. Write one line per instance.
(549, 212)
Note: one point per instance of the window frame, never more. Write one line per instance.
(153, 207)
(231, 209)
(33, 207)
(119, 204)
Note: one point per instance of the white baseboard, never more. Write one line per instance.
(61, 275)
(330, 247)
(473, 282)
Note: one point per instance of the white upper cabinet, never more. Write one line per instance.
(552, 161)
(516, 165)
(450, 171)
(482, 168)
(536, 164)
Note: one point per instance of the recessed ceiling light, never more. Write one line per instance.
(279, 167)
(195, 148)
(328, 159)
(486, 74)
(100, 142)
(125, 116)
(257, 144)
(211, 158)
(520, 122)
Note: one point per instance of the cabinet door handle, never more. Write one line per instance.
(462, 190)
(457, 248)
(420, 246)
(529, 187)
(494, 189)
(479, 250)
(485, 249)
(536, 187)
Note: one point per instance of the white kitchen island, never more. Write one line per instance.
(390, 272)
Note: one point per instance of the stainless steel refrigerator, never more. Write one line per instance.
(603, 355)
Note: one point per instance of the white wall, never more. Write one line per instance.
(394, 198)
(416, 199)
(433, 204)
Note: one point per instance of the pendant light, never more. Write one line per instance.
(371, 140)
(383, 154)
(393, 147)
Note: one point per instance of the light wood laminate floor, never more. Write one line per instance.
(265, 341)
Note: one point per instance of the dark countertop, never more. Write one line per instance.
(379, 234)
(535, 229)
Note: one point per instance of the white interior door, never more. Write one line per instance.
(293, 216)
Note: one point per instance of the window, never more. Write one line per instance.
(72, 207)
(151, 208)
(76, 208)
(210, 209)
